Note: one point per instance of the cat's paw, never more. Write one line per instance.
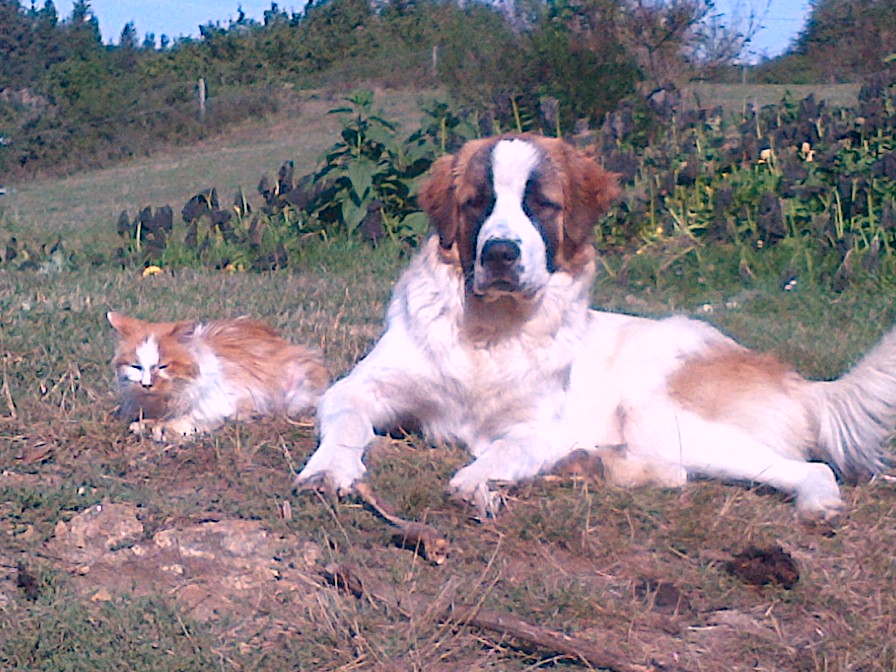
(169, 431)
(174, 431)
(141, 428)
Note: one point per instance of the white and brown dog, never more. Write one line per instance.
(490, 343)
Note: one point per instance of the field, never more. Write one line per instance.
(735, 97)
(88, 203)
(122, 554)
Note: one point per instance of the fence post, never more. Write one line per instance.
(201, 88)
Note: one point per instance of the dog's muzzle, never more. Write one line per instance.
(499, 267)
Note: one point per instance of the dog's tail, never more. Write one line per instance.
(856, 414)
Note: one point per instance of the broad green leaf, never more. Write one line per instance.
(352, 214)
(417, 223)
(360, 173)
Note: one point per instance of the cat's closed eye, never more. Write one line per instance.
(139, 367)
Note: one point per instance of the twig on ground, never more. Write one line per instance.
(432, 544)
(473, 616)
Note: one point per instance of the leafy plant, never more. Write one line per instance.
(368, 176)
(792, 189)
(448, 129)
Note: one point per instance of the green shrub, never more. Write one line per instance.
(794, 189)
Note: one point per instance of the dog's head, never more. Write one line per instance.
(512, 210)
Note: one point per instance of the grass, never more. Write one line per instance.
(735, 98)
(566, 554)
(87, 204)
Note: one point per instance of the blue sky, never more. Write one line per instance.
(781, 21)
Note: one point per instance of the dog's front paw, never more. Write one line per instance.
(334, 473)
(321, 481)
(469, 486)
(818, 496)
(825, 511)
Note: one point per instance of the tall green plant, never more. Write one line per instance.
(369, 172)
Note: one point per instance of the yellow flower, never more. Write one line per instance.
(151, 270)
(807, 152)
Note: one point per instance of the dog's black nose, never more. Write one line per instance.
(500, 253)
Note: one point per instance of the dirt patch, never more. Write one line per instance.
(228, 569)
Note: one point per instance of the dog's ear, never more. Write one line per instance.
(437, 199)
(592, 191)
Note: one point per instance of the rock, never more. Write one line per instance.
(227, 569)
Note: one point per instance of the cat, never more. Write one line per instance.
(178, 379)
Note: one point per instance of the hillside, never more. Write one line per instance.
(90, 201)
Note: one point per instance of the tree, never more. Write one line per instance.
(580, 60)
(128, 39)
(82, 30)
(679, 40)
(14, 36)
(845, 39)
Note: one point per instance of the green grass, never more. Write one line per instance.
(565, 554)
(736, 98)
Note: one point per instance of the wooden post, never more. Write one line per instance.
(201, 87)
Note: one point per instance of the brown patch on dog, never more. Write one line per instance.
(589, 192)
(453, 198)
(710, 384)
(437, 199)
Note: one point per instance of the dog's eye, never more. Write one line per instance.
(136, 367)
(161, 367)
(473, 205)
(544, 205)
(476, 206)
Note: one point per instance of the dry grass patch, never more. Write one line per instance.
(641, 575)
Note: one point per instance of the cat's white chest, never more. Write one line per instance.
(210, 395)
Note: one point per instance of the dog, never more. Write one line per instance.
(490, 343)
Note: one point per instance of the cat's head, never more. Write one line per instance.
(152, 362)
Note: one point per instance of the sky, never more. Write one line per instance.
(780, 20)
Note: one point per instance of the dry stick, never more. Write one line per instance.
(473, 616)
(432, 544)
(6, 392)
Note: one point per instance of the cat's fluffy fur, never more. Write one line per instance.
(180, 378)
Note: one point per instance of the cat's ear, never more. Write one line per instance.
(183, 331)
(123, 324)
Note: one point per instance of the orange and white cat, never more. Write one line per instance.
(180, 378)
